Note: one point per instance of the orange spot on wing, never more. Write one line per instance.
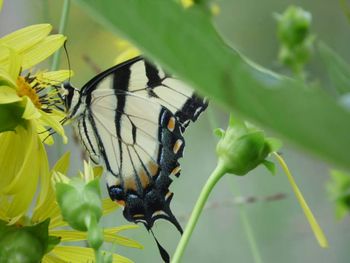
(176, 170)
(130, 184)
(144, 179)
(177, 146)
(171, 124)
(153, 168)
(138, 215)
(121, 202)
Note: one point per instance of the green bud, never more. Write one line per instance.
(242, 148)
(293, 26)
(339, 191)
(79, 202)
(23, 244)
(296, 41)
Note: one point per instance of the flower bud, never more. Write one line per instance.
(339, 191)
(293, 26)
(79, 202)
(242, 148)
(294, 35)
(23, 244)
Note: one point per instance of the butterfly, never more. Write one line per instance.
(131, 119)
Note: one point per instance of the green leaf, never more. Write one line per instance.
(10, 116)
(274, 143)
(52, 242)
(338, 69)
(186, 43)
(270, 166)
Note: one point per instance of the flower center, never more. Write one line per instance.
(24, 89)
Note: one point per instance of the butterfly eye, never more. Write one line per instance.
(68, 94)
(116, 193)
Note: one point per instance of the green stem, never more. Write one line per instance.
(98, 256)
(61, 30)
(56, 57)
(219, 171)
(248, 230)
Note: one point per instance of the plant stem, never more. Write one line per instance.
(218, 172)
(98, 256)
(320, 236)
(61, 30)
(248, 229)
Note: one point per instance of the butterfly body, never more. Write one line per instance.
(130, 119)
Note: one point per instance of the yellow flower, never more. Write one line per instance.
(62, 252)
(19, 51)
(31, 100)
(214, 8)
(127, 51)
(187, 3)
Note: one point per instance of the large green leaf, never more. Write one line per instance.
(186, 42)
(338, 69)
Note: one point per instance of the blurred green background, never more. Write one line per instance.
(280, 228)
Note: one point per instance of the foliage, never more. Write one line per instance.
(300, 113)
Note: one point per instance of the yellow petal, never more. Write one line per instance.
(109, 206)
(24, 38)
(8, 95)
(42, 50)
(129, 53)
(6, 79)
(82, 255)
(117, 229)
(55, 76)
(49, 119)
(45, 179)
(187, 3)
(49, 208)
(1, 2)
(98, 171)
(62, 164)
(52, 259)
(110, 235)
(15, 62)
(16, 150)
(4, 206)
(30, 111)
(23, 186)
(44, 134)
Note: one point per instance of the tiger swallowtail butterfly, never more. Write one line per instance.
(130, 119)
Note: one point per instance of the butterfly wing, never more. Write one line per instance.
(133, 121)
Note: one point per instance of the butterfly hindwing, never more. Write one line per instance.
(131, 119)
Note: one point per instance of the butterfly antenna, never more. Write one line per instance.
(68, 60)
(50, 134)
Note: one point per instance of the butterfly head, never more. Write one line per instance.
(72, 99)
